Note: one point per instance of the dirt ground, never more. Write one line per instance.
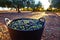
(52, 25)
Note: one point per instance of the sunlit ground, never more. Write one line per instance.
(4, 34)
(58, 14)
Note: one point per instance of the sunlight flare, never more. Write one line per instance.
(45, 4)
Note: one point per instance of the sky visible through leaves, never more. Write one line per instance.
(45, 3)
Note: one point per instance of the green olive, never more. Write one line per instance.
(26, 21)
(15, 28)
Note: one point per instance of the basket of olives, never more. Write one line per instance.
(25, 28)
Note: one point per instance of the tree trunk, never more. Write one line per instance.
(17, 9)
(27, 8)
(33, 9)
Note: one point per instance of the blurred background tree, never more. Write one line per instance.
(24, 4)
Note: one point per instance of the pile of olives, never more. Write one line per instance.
(25, 25)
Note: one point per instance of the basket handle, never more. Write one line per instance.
(7, 21)
(42, 19)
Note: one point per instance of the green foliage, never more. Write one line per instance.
(56, 3)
